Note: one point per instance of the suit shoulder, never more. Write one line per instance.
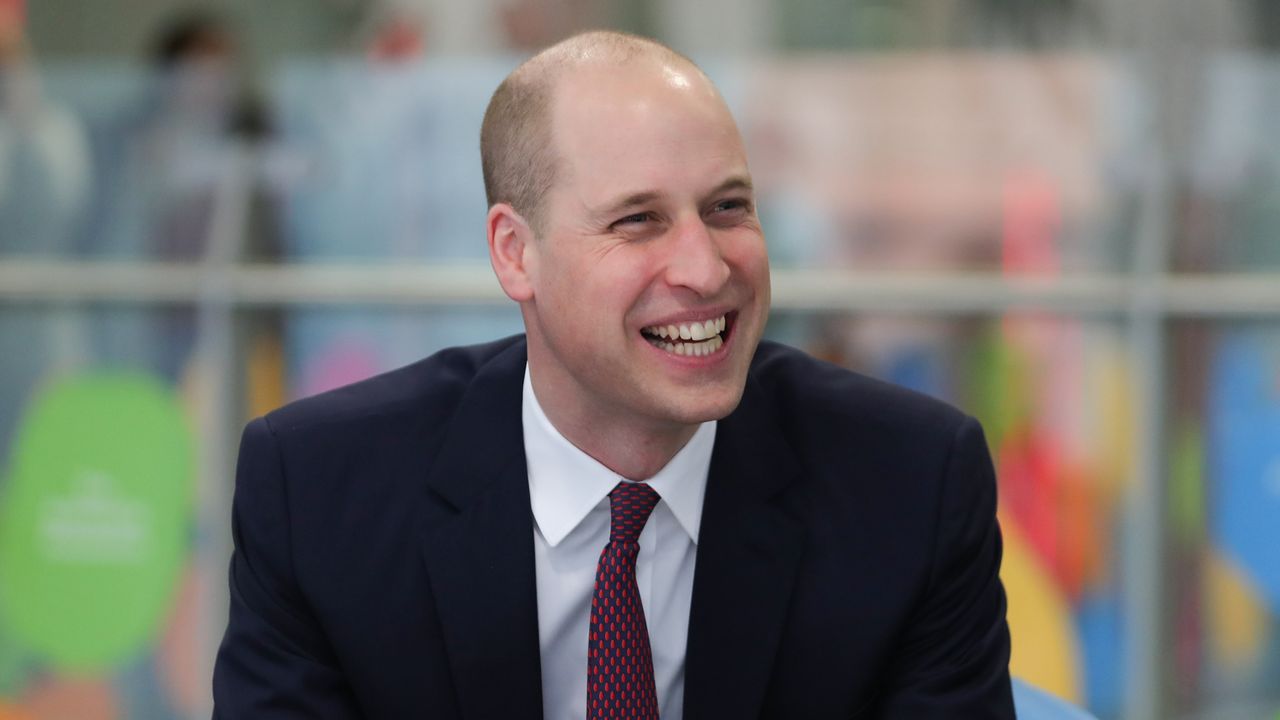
(431, 387)
(815, 396)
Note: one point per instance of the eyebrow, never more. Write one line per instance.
(736, 182)
(629, 201)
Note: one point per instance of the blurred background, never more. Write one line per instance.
(1061, 215)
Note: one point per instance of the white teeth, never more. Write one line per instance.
(704, 337)
(692, 349)
(689, 331)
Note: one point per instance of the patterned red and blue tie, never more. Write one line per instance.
(619, 660)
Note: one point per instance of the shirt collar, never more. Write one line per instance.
(565, 483)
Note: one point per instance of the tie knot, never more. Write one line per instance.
(629, 506)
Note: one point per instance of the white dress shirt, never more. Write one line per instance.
(570, 494)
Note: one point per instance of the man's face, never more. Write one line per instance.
(649, 228)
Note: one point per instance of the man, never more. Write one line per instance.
(632, 510)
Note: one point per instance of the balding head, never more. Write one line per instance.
(621, 208)
(517, 150)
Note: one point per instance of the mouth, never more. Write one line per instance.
(693, 338)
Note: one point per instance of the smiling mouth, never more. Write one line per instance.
(690, 339)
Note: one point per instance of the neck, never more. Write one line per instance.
(630, 447)
(633, 456)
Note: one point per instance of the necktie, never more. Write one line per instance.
(619, 660)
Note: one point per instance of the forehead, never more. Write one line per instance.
(613, 123)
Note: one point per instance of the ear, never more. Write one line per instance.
(510, 239)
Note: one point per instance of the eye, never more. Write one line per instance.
(633, 219)
(731, 208)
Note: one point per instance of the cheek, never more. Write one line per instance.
(749, 256)
(622, 277)
(596, 293)
(558, 279)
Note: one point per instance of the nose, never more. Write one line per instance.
(696, 260)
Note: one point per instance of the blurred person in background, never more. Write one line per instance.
(44, 159)
(161, 164)
(395, 34)
(530, 25)
(164, 170)
(509, 530)
(44, 184)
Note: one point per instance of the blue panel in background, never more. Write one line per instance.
(1244, 454)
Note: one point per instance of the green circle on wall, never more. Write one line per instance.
(94, 519)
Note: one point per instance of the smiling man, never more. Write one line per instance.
(640, 266)
(637, 509)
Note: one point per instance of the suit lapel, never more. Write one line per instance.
(748, 551)
(479, 549)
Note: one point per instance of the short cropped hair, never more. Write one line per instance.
(516, 146)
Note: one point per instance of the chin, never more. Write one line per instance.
(713, 406)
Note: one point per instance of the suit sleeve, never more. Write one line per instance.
(274, 661)
(954, 660)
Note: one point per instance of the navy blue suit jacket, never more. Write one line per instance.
(847, 561)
